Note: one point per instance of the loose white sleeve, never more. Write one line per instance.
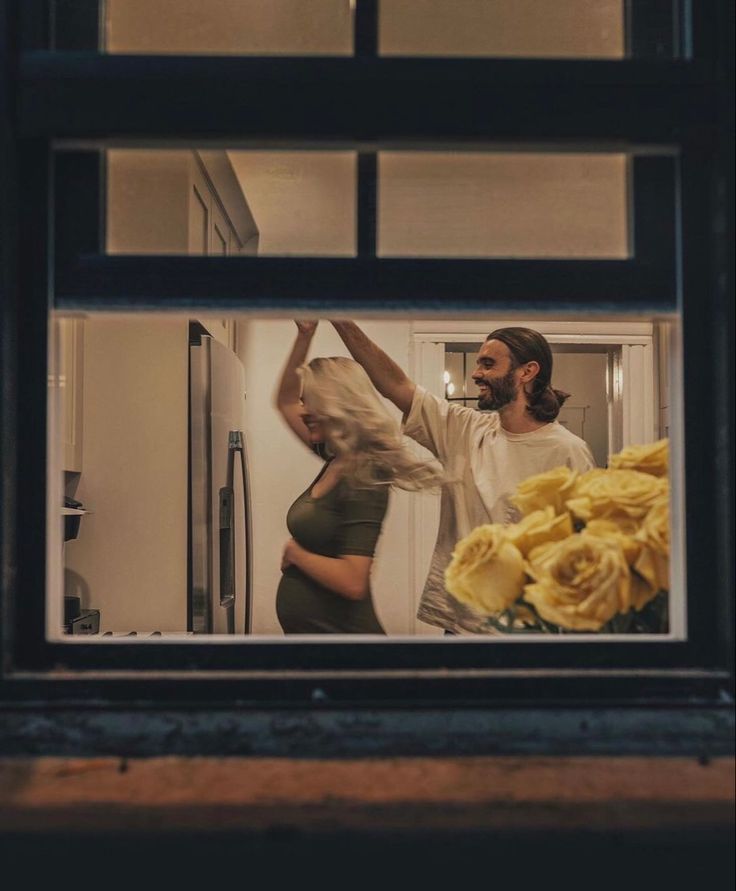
(581, 458)
(440, 426)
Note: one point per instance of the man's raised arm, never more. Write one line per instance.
(387, 377)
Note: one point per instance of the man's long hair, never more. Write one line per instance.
(526, 345)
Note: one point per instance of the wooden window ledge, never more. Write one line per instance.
(503, 793)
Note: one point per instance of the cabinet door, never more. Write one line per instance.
(220, 237)
(210, 232)
(71, 385)
(223, 330)
(199, 219)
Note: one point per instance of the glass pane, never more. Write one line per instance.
(246, 27)
(531, 28)
(472, 204)
(234, 203)
(142, 408)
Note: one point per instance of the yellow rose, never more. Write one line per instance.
(617, 495)
(580, 583)
(539, 527)
(653, 562)
(651, 458)
(545, 489)
(623, 533)
(486, 571)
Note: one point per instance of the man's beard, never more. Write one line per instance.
(500, 393)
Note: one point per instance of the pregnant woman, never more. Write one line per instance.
(331, 405)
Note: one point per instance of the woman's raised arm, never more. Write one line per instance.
(287, 394)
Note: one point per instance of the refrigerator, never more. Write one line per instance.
(220, 570)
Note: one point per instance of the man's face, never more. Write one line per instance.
(496, 376)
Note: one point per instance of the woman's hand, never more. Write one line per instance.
(306, 327)
(347, 575)
(287, 558)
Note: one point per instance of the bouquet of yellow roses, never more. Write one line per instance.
(591, 552)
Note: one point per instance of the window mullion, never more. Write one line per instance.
(366, 28)
(290, 284)
(367, 203)
(389, 101)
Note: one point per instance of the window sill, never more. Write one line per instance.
(500, 793)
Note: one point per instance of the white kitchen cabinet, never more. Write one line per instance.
(178, 202)
(223, 330)
(212, 232)
(221, 223)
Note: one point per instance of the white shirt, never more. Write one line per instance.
(484, 464)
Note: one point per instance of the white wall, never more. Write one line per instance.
(583, 376)
(303, 202)
(480, 204)
(542, 28)
(130, 560)
(281, 469)
(147, 201)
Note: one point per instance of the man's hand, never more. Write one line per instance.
(306, 327)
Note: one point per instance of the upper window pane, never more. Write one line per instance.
(473, 204)
(567, 29)
(231, 202)
(430, 204)
(531, 28)
(245, 27)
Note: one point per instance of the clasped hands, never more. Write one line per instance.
(309, 326)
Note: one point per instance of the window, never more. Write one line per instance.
(377, 112)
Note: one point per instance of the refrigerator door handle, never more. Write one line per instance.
(227, 544)
(237, 443)
(227, 552)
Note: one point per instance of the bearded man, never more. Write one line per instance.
(485, 453)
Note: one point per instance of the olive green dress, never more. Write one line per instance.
(343, 521)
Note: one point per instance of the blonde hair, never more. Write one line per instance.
(359, 429)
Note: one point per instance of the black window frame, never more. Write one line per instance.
(669, 110)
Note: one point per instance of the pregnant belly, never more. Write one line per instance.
(304, 607)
